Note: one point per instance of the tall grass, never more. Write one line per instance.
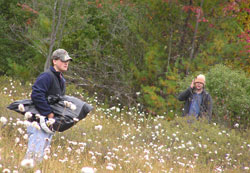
(124, 140)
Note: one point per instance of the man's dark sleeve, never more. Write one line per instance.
(38, 95)
(185, 94)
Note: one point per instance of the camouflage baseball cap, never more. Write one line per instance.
(61, 54)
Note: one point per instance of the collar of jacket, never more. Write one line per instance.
(203, 91)
(58, 74)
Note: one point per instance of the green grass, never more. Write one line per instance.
(127, 141)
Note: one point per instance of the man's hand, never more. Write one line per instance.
(192, 84)
(51, 115)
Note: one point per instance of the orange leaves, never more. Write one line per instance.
(27, 8)
(28, 22)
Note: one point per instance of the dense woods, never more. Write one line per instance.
(135, 52)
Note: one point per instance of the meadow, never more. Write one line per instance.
(121, 139)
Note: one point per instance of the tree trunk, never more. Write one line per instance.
(184, 32)
(56, 22)
(194, 38)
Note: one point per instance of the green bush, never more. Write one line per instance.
(230, 90)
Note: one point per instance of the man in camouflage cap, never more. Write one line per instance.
(50, 82)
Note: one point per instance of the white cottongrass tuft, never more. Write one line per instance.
(27, 115)
(26, 136)
(26, 123)
(73, 107)
(88, 170)
(36, 125)
(67, 103)
(46, 157)
(6, 170)
(27, 163)
(37, 116)
(99, 127)
(70, 105)
(112, 165)
(47, 149)
(21, 107)
(17, 140)
(236, 125)
(246, 168)
(3, 120)
(20, 130)
(19, 122)
(109, 168)
(118, 110)
(76, 119)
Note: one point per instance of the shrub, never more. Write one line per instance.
(230, 90)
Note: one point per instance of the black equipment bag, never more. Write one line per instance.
(65, 117)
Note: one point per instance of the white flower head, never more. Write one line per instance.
(21, 107)
(38, 171)
(26, 136)
(47, 151)
(73, 107)
(17, 140)
(27, 163)
(26, 123)
(37, 116)
(36, 125)
(19, 122)
(67, 103)
(3, 120)
(236, 125)
(88, 170)
(46, 157)
(76, 119)
(118, 110)
(6, 171)
(27, 115)
(99, 127)
(109, 168)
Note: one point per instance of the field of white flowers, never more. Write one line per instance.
(122, 140)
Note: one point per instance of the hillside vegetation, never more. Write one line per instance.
(129, 51)
(131, 59)
(115, 139)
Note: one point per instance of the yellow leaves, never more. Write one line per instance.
(44, 22)
(163, 83)
(172, 78)
(171, 90)
(218, 45)
(154, 97)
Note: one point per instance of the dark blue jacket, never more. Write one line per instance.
(206, 104)
(45, 85)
